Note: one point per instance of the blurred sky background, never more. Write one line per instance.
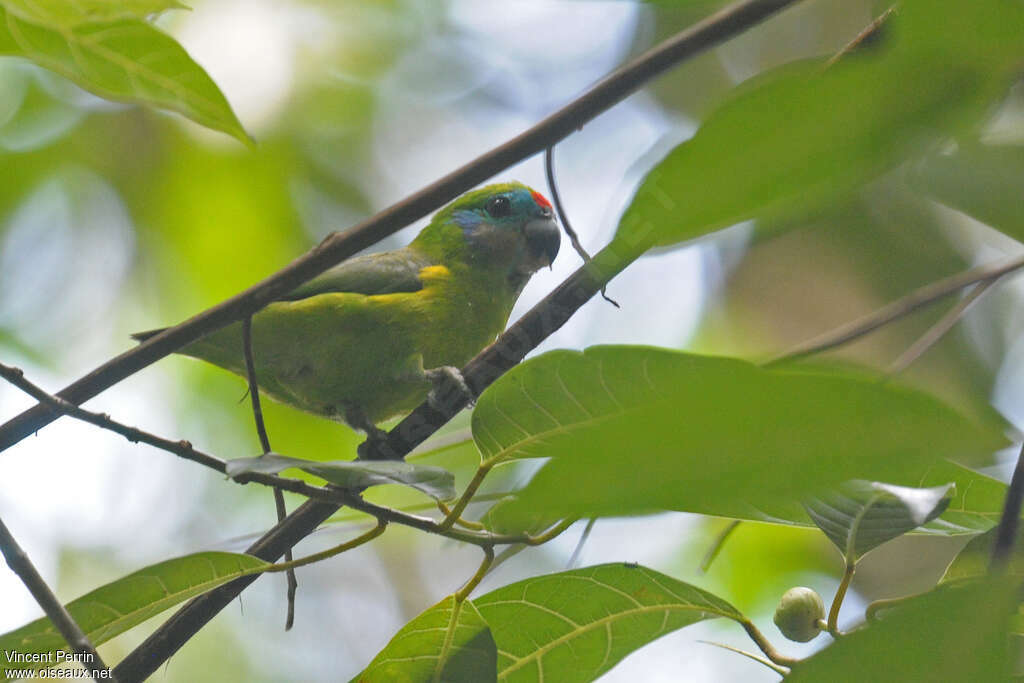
(115, 219)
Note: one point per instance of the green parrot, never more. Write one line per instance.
(367, 340)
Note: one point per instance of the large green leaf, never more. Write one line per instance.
(859, 516)
(118, 606)
(984, 181)
(70, 12)
(806, 134)
(975, 503)
(953, 634)
(974, 560)
(977, 500)
(576, 625)
(450, 642)
(122, 59)
(636, 429)
(435, 482)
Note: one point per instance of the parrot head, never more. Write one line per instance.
(507, 226)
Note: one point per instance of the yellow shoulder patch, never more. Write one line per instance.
(435, 273)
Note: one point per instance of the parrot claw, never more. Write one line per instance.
(449, 386)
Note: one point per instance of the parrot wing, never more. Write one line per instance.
(384, 273)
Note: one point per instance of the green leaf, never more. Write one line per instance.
(976, 504)
(436, 482)
(807, 134)
(951, 634)
(576, 625)
(634, 429)
(126, 60)
(972, 562)
(70, 12)
(974, 507)
(860, 515)
(984, 181)
(448, 642)
(118, 606)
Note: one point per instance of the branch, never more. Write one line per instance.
(509, 349)
(937, 331)
(328, 494)
(865, 37)
(22, 566)
(1006, 532)
(896, 310)
(708, 33)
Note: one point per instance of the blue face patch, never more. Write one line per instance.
(522, 207)
(467, 219)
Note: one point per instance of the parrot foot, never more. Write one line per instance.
(376, 438)
(375, 444)
(449, 386)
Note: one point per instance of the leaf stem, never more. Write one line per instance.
(781, 670)
(837, 602)
(456, 512)
(464, 523)
(325, 554)
(475, 580)
(765, 645)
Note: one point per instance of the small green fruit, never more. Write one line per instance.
(798, 614)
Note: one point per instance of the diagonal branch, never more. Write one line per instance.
(897, 310)
(535, 326)
(20, 564)
(706, 34)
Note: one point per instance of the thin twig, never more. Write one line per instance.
(900, 308)
(714, 30)
(1009, 522)
(578, 550)
(254, 391)
(261, 432)
(80, 644)
(717, 545)
(549, 171)
(864, 36)
(330, 495)
(940, 328)
(182, 449)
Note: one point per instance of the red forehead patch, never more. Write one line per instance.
(540, 199)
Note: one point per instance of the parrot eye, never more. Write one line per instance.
(498, 206)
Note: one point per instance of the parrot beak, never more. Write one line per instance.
(542, 241)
